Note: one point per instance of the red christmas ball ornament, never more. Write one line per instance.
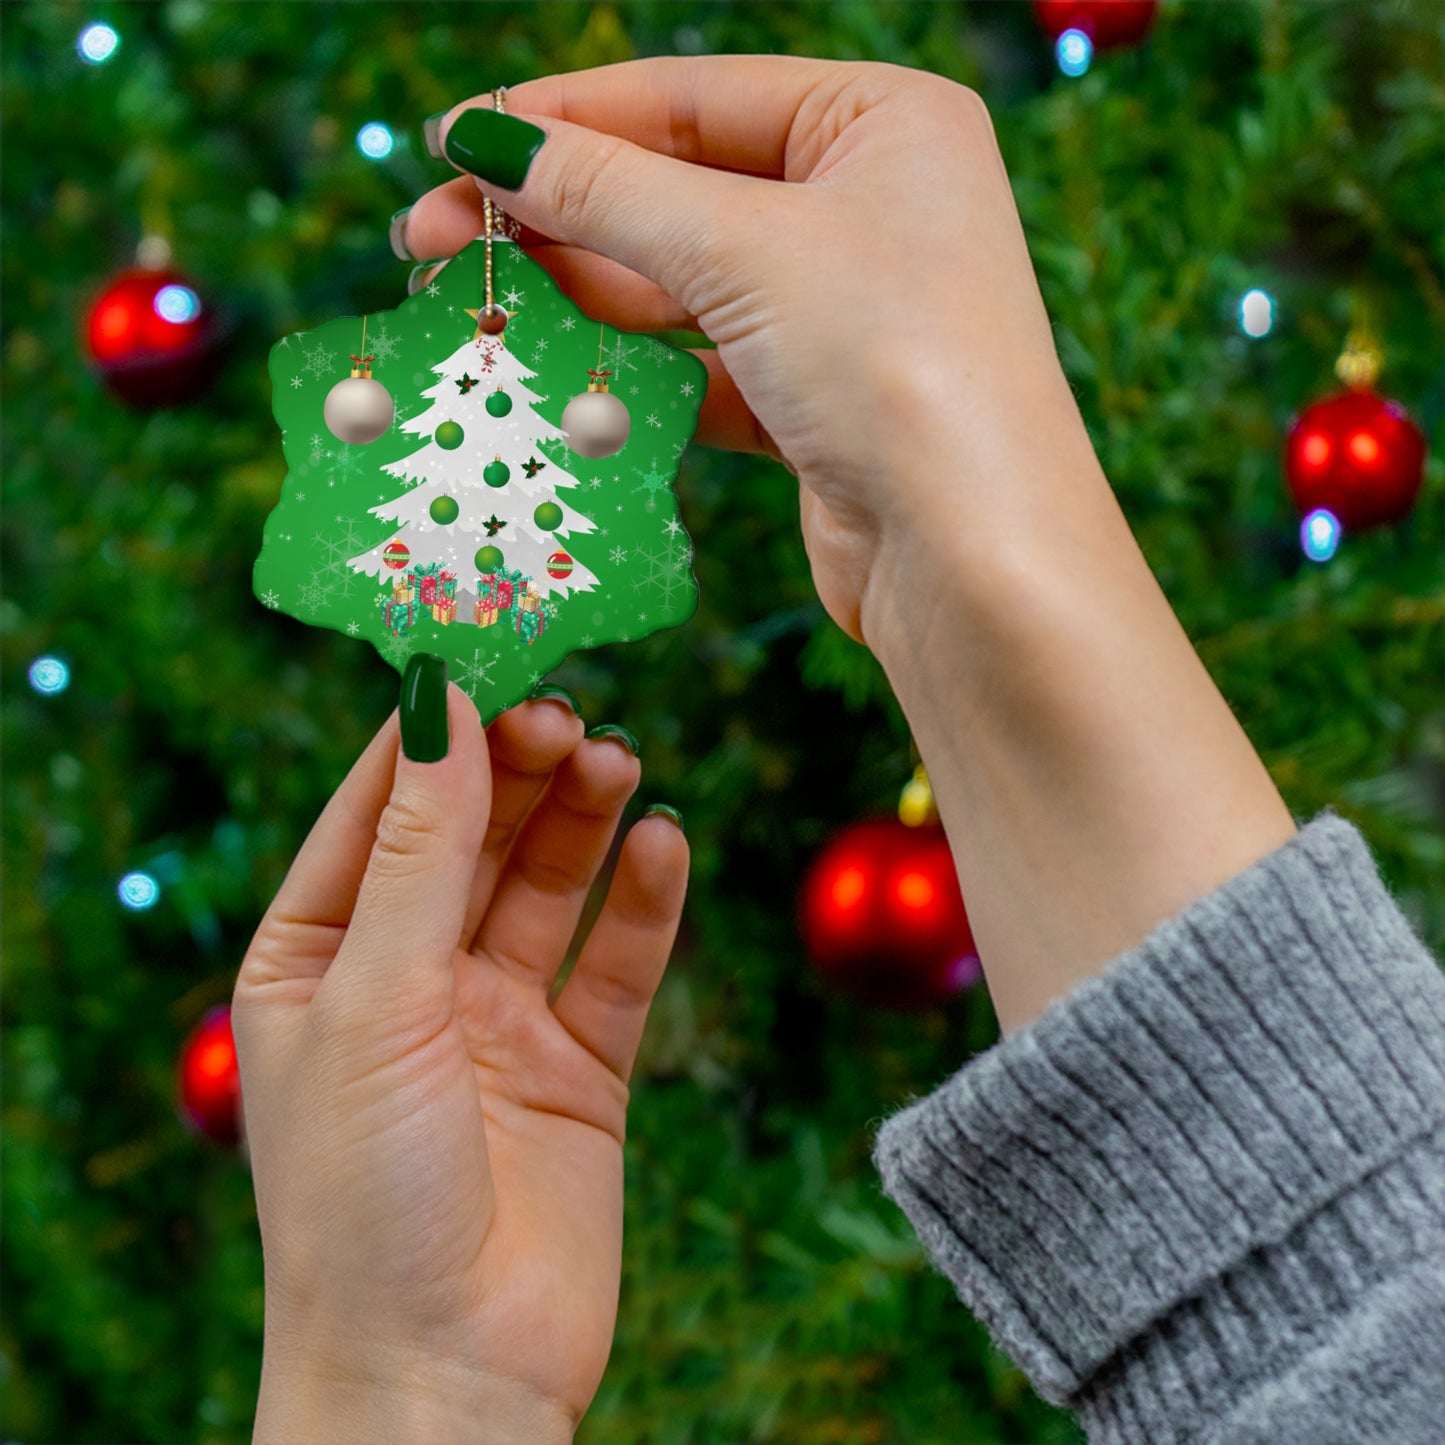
(210, 1080)
(883, 917)
(559, 564)
(396, 555)
(1107, 23)
(151, 338)
(1358, 455)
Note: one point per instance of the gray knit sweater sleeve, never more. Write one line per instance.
(1202, 1198)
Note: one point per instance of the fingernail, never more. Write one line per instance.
(431, 133)
(663, 811)
(611, 730)
(397, 233)
(550, 689)
(424, 735)
(498, 148)
(417, 279)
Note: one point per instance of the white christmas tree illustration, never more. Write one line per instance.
(514, 509)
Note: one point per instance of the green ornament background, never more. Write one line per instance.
(640, 552)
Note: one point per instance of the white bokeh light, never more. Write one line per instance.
(1256, 313)
(97, 43)
(177, 304)
(1074, 51)
(1319, 535)
(375, 140)
(138, 891)
(49, 675)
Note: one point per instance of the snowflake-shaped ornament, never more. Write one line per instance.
(469, 527)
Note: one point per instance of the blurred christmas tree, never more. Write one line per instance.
(183, 738)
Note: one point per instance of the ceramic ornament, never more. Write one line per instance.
(502, 518)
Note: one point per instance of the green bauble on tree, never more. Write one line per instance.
(449, 435)
(444, 510)
(499, 403)
(496, 473)
(548, 516)
(489, 559)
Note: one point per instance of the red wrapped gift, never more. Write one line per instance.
(428, 591)
(497, 591)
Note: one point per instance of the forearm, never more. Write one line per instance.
(423, 1400)
(1091, 778)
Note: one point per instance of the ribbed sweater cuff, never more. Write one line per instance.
(1103, 1170)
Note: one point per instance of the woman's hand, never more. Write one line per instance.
(437, 1151)
(878, 324)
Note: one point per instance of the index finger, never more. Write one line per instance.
(733, 112)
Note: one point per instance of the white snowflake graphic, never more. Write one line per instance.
(652, 419)
(514, 298)
(662, 574)
(672, 527)
(314, 595)
(353, 628)
(586, 639)
(568, 322)
(433, 290)
(382, 344)
(337, 550)
(618, 555)
(474, 673)
(687, 388)
(319, 362)
(396, 650)
(271, 599)
(656, 349)
(297, 381)
(620, 357)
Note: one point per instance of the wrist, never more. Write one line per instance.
(1092, 780)
(400, 1399)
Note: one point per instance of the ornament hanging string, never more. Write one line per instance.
(492, 217)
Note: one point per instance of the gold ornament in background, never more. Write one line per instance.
(915, 805)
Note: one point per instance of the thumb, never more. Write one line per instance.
(395, 962)
(663, 218)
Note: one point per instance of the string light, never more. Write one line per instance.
(138, 891)
(49, 675)
(1074, 52)
(1256, 313)
(97, 43)
(375, 140)
(177, 304)
(1319, 535)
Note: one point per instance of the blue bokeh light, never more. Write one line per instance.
(177, 304)
(1319, 535)
(1256, 313)
(97, 43)
(1074, 51)
(375, 140)
(138, 891)
(49, 675)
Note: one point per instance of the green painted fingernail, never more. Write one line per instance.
(611, 730)
(431, 133)
(498, 148)
(550, 689)
(424, 733)
(663, 811)
(417, 278)
(396, 233)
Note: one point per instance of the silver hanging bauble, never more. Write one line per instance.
(595, 422)
(358, 409)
